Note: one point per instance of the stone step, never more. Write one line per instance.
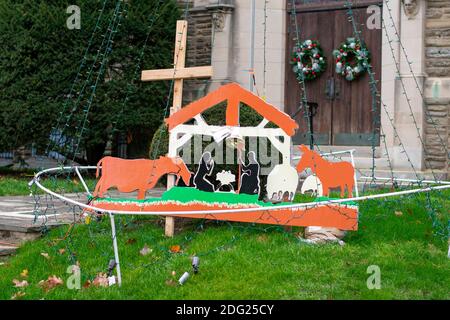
(18, 223)
(406, 174)
(7, 250)
(14, 231)
(25, 225)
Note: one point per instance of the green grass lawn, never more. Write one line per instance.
(11, 185)
(243, 261)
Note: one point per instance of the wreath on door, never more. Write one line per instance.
(352, 59)
(308, 60)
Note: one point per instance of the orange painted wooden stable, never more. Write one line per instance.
(341, 216)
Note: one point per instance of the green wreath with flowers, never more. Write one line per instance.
(308, 60)
(352, 59)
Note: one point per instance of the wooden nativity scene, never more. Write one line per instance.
(242, 195)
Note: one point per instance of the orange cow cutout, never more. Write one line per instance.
(139, 174)
(330, 174)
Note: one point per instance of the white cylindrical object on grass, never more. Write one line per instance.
(183, 278)
(195, 263)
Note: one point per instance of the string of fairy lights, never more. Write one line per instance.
(154, 16)
(98, 231)
(306, 112)
(376, 96)
(103, 53)
(302, 85)
(429, 117)
(68, 238)
(265, 48)
(121, 12)
(408, 99)
(374, 91)
(409, 64)
(437, 225)
(372, 84)
(303, 96)
(77, 79)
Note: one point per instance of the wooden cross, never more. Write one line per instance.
(178, 74)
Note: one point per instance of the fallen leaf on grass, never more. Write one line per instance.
(262, 238)
(62, 251)
(101, 280)
(45, 255)
(145, 251)
(52, 243)
(20, 284)
(24, 273)
(18, 295)
(175, 249)
(398, 213)
(131, 241)
(171, 283)
(50, 283)
(300, 235)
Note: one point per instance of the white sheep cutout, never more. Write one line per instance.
(313, 184)
(282, 179)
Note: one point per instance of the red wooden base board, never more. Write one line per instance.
(343, 217)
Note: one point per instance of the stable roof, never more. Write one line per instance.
(234, 94)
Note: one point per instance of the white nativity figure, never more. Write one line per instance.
(226, 178)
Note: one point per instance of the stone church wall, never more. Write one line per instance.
(437, 63)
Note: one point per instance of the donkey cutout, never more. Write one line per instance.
(139, 174)
(330, 174)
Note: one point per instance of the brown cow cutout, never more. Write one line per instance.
(330, 174)
(139, 174)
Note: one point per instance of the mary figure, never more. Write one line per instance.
(204, 170)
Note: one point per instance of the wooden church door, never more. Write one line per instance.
(344, 115)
